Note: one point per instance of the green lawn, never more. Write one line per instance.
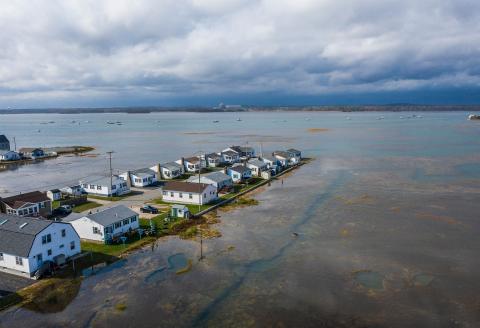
(116, 249)
(85, 207)
(115, 198)
(191, 207)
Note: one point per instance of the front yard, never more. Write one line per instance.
(84, 207)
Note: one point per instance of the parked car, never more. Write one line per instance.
(149, 209)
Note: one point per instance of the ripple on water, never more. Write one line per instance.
(369, 279)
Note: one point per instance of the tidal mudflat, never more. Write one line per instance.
(381, 230)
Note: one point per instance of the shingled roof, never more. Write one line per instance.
(22, 199)
(185, 186)
(18, 233)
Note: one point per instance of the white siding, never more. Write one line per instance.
(208, 195)
(84, 227)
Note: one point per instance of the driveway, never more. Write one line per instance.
(10, 283)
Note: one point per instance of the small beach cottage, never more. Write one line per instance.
(33, 203)
(239, 173)
(296, 155)
(230, 157)
(189, 193)
(140, 178)
(104, 225)
(213, 160)
(54, 194)
(75, 190)
(284, 158)
(190, 164)
(180, 211)
(101, 186)
(9, 155)
(243, 152)
(257, 166)
(26, 243)
(169, 170)
(220, 180)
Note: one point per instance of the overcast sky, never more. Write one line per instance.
(200, 52)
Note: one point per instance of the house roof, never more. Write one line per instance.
(3, 152)
(144, 173)
(171, 166)
(240, 168)
(236, 149)
(281, 153)
(111, 215)
(192, 159)
(3, 138)
(16, 237)
(180, 207)
(230, 153)
(22, 199)
(55, 190)
(269, 158)
(213, 155)
(217, 176)
(185, 186)
(256, 162)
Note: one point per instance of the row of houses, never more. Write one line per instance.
(6, 154)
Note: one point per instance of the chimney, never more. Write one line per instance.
(159, 171)
(129, 179)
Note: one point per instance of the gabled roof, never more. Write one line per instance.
(230, 153)
(269, 158)
(293, 150)
(185, 186)
(55, 191)
(240, 169)
(180, 207)
(213, 155)
(282, 153)
(144, 173)
(236, 149)
(256, 162)
(111, 215)
(192, 159)
(22, 199)
(217, 176)
(3, 138)
(18, 233)
(103, 181)
(171, 166)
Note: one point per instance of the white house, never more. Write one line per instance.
(33, 203)
(106, 224)
(101, 186)
(54, 194)
(220, 180)
(239, 173)
(140, 178)
(190, 164)
(230, 157)
(189, 193)
(26, 243)
(257, 166)
(272, 163)
(169, 170)
(9, 155)
(72, 190)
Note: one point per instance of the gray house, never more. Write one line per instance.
(4, 143)
(220, 180)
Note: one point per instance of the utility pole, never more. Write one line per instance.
(200, 154)
(15, 143)
(111, 171)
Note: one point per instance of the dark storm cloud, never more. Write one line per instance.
(54, 52)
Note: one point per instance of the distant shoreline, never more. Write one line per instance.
(147, 110)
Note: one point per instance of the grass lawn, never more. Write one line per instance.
(116, 249)
(55, 204)
(191, 207)
(85, 207)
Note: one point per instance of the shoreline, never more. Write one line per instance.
(60, 151)
(65, 279)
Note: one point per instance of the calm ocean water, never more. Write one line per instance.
(386, 217)
(145, 139)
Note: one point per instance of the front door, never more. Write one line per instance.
(39, 260)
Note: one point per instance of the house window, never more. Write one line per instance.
(1, 256)
(133, 219)
(190, 196)
(61, 246)
(180, 195)
(99, 187)
(108, 230)
(118, 224)
(42, 205)
(171, 194)
(18, 260)
(204, 195)
(46, 239)
(125, 222)
(92, 186)
(164, 193)
(114, 187)
(72, 245)
(30, 210)
(64, 232)
(85, 185)
(49, 252)
(96, 230)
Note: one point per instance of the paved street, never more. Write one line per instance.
(10, 283)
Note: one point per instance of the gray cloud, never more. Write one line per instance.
(54, 52)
